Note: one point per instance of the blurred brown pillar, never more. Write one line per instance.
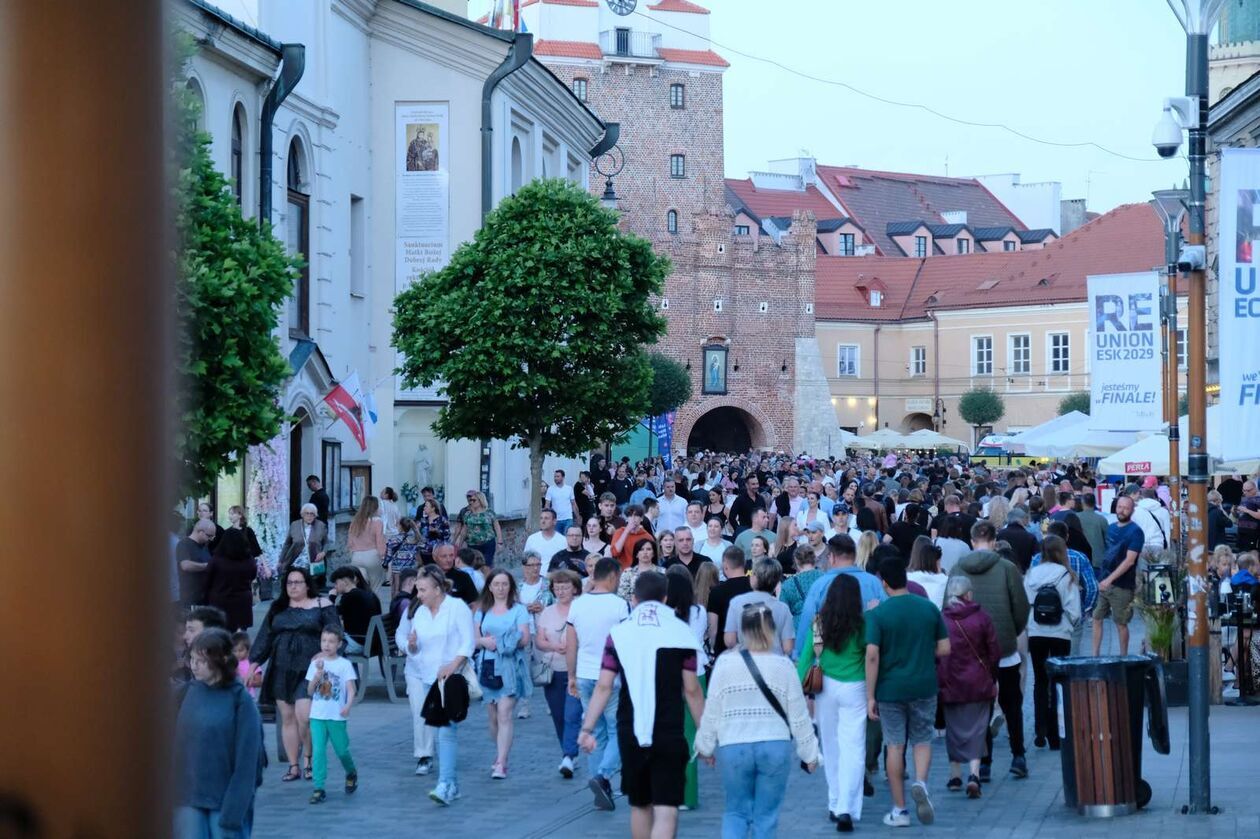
(83, 296)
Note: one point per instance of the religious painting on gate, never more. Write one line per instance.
(713, 380)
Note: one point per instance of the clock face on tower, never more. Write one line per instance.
(622, 7)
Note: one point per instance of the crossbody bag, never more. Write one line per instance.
(765, 689)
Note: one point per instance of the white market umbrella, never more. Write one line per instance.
(1079, 440)
(1153, 450)
(885, 438)
(926, 438)
(1035, 434)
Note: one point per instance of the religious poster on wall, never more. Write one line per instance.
(1126, 392)
(421, 199)
(1238, 320)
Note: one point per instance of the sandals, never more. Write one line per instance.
(352, 783)
(292, 775)
(307, 774)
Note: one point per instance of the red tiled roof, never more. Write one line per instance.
(1130, 238)
(877, 198)
(780, 202)
(484, 19)
(589, 4)
(569, 49)
(693, 57)
(679, 6)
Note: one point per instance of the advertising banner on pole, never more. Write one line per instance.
(1238, 318)
(1126, 392)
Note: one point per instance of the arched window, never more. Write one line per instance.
(671, 221)
(518, 165)
(194, 87)
(237, 163)
(298, 238)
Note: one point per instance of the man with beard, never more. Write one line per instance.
(1125, 540)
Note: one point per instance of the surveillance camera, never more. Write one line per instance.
(1192, 258)
(1167, 135)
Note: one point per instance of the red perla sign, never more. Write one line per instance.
(1139, 467)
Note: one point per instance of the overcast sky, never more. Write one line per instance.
(1061, 70)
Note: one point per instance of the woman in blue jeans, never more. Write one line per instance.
(750, 737)
(550, 647)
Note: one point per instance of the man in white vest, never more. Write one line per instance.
(655, 654)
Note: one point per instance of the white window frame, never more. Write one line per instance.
(1011, 367)
(963, 246)
(847, 244)
(857, 361)
(1050, 359)
(1183, 347)
(975, 345)
(876, 298)
(918, 361)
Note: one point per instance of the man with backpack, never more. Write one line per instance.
(998, 587)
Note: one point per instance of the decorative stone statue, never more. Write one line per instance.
(423, 466)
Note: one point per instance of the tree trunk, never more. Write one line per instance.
(535, 481)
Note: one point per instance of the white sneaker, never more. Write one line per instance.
(441, 795)
(923, 804)
(452, 792)
(424, 766)
(897, 818)
(522, 712)
(566, 767)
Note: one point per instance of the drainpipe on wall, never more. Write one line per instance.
(877, 329)
(292, 66)
(936, 365)
(518, 56)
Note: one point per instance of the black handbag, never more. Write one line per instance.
(486, 675)
(485, 668)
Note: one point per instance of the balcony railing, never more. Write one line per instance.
(626, 43)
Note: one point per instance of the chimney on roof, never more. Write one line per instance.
(955, 216)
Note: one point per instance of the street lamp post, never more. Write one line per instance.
(1197, 18)
(1171, 204)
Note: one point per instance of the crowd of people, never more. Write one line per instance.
(758, 611)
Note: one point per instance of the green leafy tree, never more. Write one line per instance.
(537, 327)
(671, 384)
(232, 279)
(1078, 401)
(981, 406)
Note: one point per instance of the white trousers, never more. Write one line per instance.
(422, 735)
(840, 712)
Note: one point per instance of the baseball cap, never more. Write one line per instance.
(1150, 482)
(841, 507)
(816, 526)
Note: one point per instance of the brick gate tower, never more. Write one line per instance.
(739, 301)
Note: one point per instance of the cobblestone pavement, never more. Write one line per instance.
(535, 802)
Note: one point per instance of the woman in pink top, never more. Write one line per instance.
(367, 542)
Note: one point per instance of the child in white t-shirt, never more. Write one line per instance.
(330, 682)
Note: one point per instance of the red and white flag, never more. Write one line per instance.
(346, 401)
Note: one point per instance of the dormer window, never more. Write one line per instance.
(1008, 246)
(876, 298)
(847, 245)
(964, 246)
(920, 247)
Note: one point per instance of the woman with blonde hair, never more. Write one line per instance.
(754, 711)
(367, 542)
(1019, 498)
(866, 545)
(481, 530)
(998, 508)
(706, 579)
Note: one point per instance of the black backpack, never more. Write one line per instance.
(1047, 606)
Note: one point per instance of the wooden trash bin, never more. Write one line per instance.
(1104, 697)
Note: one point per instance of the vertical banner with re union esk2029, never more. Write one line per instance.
(1239, 313)
(1125, 350)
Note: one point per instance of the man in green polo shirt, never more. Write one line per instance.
(904, 636)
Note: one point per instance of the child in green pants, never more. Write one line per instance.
(330, 681)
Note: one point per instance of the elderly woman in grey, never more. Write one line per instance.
(306, 545)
